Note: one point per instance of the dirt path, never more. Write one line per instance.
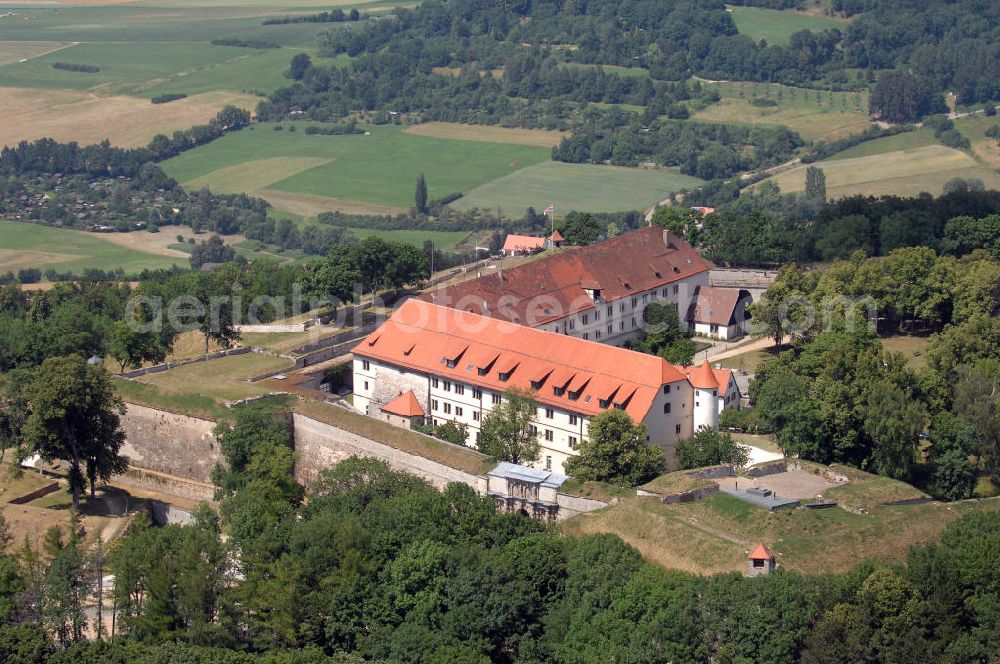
(759, 344)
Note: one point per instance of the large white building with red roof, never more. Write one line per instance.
(596, 293)
(451, 364)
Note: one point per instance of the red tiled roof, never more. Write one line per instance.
(622, 266)
(703, 377)
(722, 375)
(716, 305)
(523, 243)
(588, 370)
(557, 237)
(405, 405)
(761, 552)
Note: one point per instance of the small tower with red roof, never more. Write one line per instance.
(761, 561)
(706, 397)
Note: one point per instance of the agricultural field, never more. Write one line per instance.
(379, 168)
(25, 245)
(540, 138)
(910, 140)
(902, 172)
(815, 114)
(777, 26)
(577, 187)
(983, 147)
(84, 117)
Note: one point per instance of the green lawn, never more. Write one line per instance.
(443, 240)
(32, 245)
(777, 26)
(379, 168)
(577, 187)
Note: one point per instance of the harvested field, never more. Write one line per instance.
(15, 51)
(12, 260)
(310, 205)
(67, 115)
(153, 243)
(541, 138)
(904, 172)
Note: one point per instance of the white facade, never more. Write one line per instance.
(706, 408)
(560, 431)
(620, 321)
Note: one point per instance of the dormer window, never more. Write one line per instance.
(603, 403)
(558, 391)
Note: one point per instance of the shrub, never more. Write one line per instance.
(763, 103)
(710, 448)
(336, 375)
(165, 99)
(69, 66)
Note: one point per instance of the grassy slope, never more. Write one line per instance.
(577, 187)
(32, 245)
(778, 26)
(381, 167)
(221, 380)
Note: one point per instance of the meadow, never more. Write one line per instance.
(903, 172)
(31, 245)
(576, 187)
(777, 26)
(815, 114)
(381, 167)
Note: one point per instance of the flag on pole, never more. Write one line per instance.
(551, 208)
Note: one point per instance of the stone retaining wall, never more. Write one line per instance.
(169, 443)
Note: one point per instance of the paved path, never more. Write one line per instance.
(733, 351)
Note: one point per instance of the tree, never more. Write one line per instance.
(453, 432)
(954, 476)
(300, 63)
(816, 184)
(131, 347)
(899, 97)
(708, 447)
(420, 197)
(580, 228)
(75, 417)
(616, 451)
(893, 421)
(508, 432)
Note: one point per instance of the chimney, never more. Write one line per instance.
(668, 238)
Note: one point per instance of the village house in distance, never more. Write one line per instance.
(434, 363)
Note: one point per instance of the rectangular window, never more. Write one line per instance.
(586, 336)
(548, 434)
(477, 393)
(496, 399)
(434, 383)
(645, 296)
(633, 321)
(366, 365)
(666, 389)
(611, 310)
(634, 302)
(459, 389)
(597, 315)
(458, 411)
(621, 325)
(572, 442)
(475, 415)
(434, 404)
(366, 385)
(666, 408)
(549, 413)
(621, 307)
(598, 334)
(663, 292)
(675, 289)
(534, 430)
(447, 386)
(548, 463)
(586, 319)
(573, 419)
(447, 408)
(677, 429)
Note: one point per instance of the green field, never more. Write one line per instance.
(380, 168)
(577, 187)
(815, 114)
(777, 27)
(443, 240)
(31, 245)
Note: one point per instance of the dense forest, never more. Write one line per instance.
(376, 565)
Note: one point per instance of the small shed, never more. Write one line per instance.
(404, 410)
(761, 561)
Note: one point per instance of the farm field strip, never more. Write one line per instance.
(777, 26)
(15, 51)
(69, 115)
(901, 172)
(541, 138)
(253, 176)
